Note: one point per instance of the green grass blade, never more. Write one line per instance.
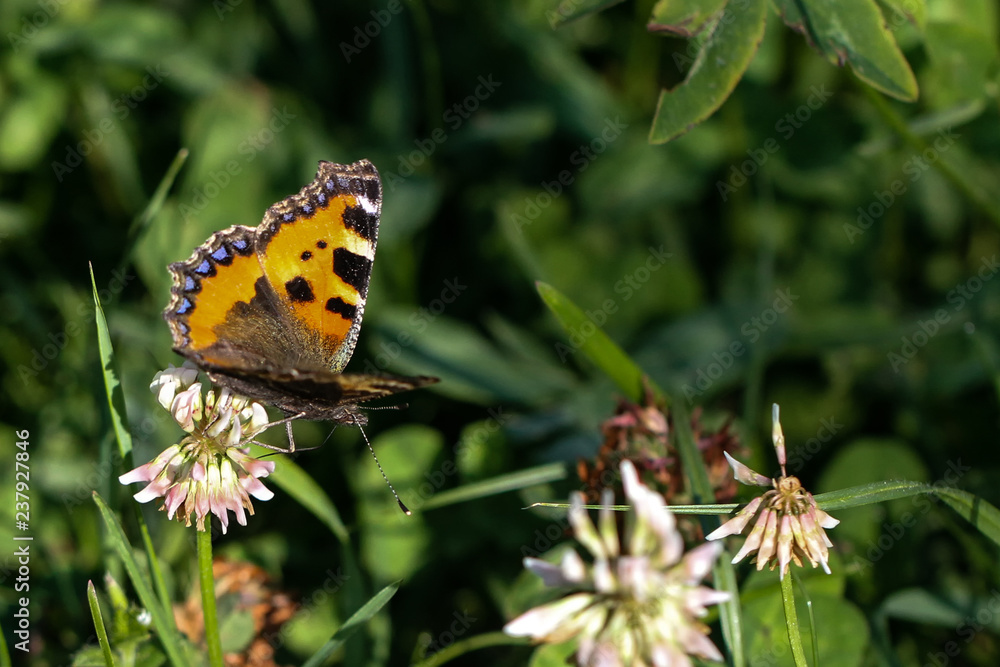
(697, 475)
(162, 618)
(586, 337)
(102, 632)
(294, 481)
(706, 510)
(961, 178)
(984, 516)
(550, 472)
(811, 611)
(694, 465)
(353, 624)
(119, 420)
(112, 386)
(721, 508)
(143, 220)
(154, 563)
(866, 494)
(730, 613)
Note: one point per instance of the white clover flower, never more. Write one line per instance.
(207, 472)
(789, 526)
(639, 602)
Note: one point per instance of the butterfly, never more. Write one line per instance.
(273, 312)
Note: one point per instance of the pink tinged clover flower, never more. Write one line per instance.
(789, 526)
(208, 471)
(639, 602)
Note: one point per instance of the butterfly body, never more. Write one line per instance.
(273, 311)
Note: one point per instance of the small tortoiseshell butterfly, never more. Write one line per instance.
(273, 311)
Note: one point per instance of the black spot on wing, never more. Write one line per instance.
(355, 270)
(362, 179)
(361, 221)
(372, 188)
(338, 306)
(299, 290)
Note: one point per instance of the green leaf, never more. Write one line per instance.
(351, 625)
(102, 632)
(571, 10)
(684, 17)
(393, 545)
(962, 60)
(841, 633)
(309, 629)
(918, 605)
(553, 655)
(237, 631)
(162, 618)
(716, 71)
(30, 121)
(585, 336)
(297, 483)
(914, 11)
(854, 31)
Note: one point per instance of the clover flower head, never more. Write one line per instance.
(640, 601)
(208, 471)
(789, 526)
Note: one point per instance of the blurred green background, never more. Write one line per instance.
(813, 244)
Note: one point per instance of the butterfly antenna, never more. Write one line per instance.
(395, 406)
(406, 510)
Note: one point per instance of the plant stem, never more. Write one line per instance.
(207, 581)
(792, 621)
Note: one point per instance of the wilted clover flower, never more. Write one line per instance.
(207, 472)
(789, 526)
(640, 601)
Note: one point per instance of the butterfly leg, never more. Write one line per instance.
(287, 421)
